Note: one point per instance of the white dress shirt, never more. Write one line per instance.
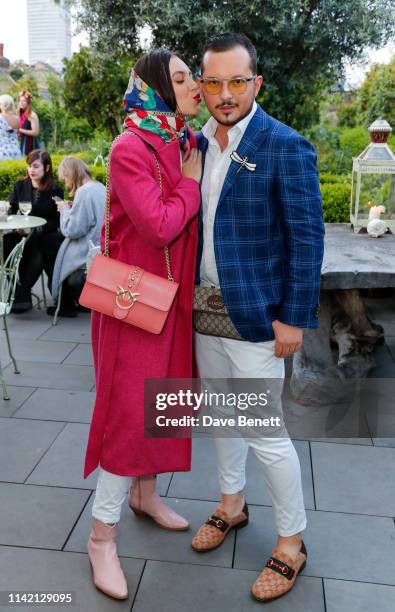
(215, 170)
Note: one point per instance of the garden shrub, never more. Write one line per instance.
(11, 171)
(336, 202)
(329, 177)
(335, 189)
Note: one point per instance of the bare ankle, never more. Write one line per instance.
(232, 502)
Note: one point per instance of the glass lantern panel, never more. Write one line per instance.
(376, 190)
(377, 154)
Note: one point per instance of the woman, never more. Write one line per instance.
(41, 248)
(9, 123)
(79, 223)
(160, 94)
(29, 125)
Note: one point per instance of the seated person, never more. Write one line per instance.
(80, 223)
(39, 188)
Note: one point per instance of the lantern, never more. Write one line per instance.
(373, 179)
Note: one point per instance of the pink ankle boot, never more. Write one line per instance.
(145, 501)
(102, 551)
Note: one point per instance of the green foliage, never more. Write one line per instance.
(336, 202)
(376, 97)
(347, 115)
(11, 171)
(94, 88)
(196, 123)
(27, 81)
(329, 178)
(353, 141)
(301, 44)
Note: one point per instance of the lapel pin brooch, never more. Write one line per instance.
(243, 161)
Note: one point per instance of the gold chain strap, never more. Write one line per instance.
(107, 210)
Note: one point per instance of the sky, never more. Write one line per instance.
(13, 34)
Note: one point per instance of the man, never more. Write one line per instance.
(261, 243)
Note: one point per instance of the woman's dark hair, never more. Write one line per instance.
(226, 42)
(47, 182)
(154, 69)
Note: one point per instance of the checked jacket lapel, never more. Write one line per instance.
(258, 124)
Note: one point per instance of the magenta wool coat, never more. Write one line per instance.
(141, 225)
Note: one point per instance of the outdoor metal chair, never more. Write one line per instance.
(58, 304)
(8, 282)
(44, 297)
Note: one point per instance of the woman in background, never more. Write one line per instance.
(9, 124)
(80, 222)
(29, 125)
(39, 188)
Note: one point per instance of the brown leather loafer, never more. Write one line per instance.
(279, 575)
(216, 528)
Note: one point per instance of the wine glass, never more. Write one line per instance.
(25, 208)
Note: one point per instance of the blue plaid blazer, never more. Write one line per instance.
(269, 231)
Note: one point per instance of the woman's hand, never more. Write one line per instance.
(192, 167)
(62, 204)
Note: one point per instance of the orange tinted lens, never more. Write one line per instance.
(237, 86)
(212, 86)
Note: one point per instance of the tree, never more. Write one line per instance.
(301, 44)
(93, 89)
(376, 96)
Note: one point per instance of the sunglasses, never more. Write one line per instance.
(236, 85)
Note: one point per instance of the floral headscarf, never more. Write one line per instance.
(147, 111)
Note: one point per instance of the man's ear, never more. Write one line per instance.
(258, 84)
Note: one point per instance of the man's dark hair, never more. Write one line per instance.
(226, 42)
(154, 69)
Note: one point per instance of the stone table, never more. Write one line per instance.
(351, 262)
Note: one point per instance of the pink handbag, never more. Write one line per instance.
(127, 292)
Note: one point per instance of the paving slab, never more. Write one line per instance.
(27, 569)
(35, 350)
(333, 422)
(370, 539)
(57, 405)
(22, 444)
(345, 596)
(81, 355)
(51, 376)
(38, 517)
(29, 325)
(378, 404)
(63, 464)
(385, 365)
(202, 481)
(69, 330)
(197, 588)
(360, 479)
(390, 342)
(18, 395)
(141, 538)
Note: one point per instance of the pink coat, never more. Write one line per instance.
(141, 225)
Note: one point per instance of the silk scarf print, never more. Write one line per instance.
(147, 111)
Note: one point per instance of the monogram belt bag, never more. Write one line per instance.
(210, 316)
(128, 292)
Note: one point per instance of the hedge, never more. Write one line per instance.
(11, 171)
(336, 202)
(335, 189)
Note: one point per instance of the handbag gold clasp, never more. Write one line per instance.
(127, 296)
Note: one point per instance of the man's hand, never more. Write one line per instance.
(288, 339)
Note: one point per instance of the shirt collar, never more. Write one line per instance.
(209, 129)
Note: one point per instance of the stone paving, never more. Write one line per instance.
(45, 504)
